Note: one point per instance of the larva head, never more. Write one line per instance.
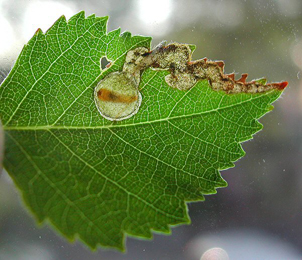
(117, 96)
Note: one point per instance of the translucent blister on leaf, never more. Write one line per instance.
(117, 96)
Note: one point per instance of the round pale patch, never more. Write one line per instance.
(117, 96)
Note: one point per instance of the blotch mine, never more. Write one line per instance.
(117, 96)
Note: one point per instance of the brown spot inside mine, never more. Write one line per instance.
(155, 65)
(147, 53)
(170, 47)
(109, 96)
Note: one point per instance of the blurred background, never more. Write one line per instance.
(259, 215)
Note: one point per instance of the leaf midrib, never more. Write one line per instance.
(111, 126)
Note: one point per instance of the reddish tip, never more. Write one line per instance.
(243, 78)
(231, 76)
(205, 59)
(283, 85)
(38, 31)
(220, 64)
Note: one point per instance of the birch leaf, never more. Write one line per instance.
(102, 180)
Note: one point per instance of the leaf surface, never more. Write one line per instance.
(102, 180)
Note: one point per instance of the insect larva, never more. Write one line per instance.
(110, 96)
(117, 96)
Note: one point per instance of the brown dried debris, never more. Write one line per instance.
(184, 73)
(213, 71)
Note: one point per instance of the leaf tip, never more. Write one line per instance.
(283, 85)
(38, 31)
(80, 14)
(105, 18)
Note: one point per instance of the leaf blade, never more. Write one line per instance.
(103, 180)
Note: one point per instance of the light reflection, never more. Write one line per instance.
(8, 35)
(296, 56)
(42, 14)
(155, 14)
(215, 253)
(237, 243)
(157, 11)
(296, 53)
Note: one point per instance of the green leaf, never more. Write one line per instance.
(101, 180)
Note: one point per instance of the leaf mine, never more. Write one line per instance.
(117, 97)
(122, 100)
(184, 73)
